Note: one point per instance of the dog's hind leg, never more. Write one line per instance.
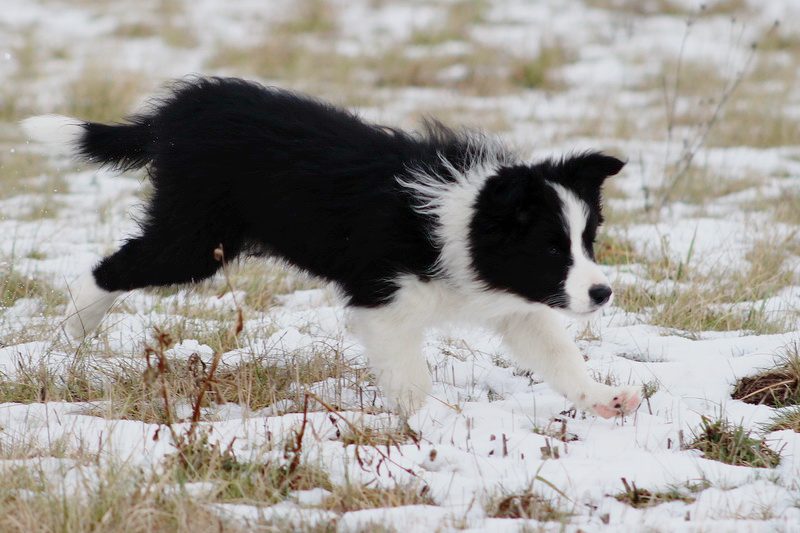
(151, 260)
(393, 346)
(88, 303)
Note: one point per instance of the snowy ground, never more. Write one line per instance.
(633, 78)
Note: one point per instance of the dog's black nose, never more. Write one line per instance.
(599, 294)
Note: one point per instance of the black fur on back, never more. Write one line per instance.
(267, 171)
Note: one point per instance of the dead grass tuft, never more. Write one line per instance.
(776, 387)
(258, 384)
(527, 505)
(789, 419)
(346, 498)
(643, 498)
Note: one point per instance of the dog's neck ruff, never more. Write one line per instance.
(450, 202)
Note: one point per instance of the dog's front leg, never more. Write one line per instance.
(393, 340)
(539, 342)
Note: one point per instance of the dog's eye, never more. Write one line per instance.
(554, 250)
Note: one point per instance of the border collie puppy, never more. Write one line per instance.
(414, 229)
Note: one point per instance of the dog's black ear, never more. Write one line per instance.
(591, 168)
(508, 200)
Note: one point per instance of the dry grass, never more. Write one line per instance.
(263, 281)
(768, 272)
(789, 419)
(259, 385)
(168, 21)
(484, 71)
(104, 94)
(758, 122)
(316, 17)
(527, 505)
(692, 309)
(84, 492)
(15, 285)
(783, 208)
(130, 500)
(350, 497)
(616, 251)
(453, 25)
(670, 7)
(610, 120)
(680, 296)
(296, 50)
(643, 498)
(123, 501)
(256, 383)
(493, 120)
(776, 387)
(701, 185)
(29, 173)
(13, 104)
(779, 40)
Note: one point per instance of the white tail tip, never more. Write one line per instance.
(58, 131)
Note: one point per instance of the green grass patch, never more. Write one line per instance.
(720, 440)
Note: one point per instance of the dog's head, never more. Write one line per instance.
(533, 232)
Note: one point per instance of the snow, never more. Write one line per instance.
(483, 431)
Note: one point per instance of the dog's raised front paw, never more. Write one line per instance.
(623, 400)
(609, 402)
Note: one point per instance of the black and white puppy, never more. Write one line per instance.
(414, 229)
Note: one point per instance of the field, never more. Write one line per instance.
(246, 404)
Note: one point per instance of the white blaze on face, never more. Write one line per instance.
(584, 272)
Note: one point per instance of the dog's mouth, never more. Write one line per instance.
(583, 314)
(580, 315)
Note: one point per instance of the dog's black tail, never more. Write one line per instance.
(122, 146)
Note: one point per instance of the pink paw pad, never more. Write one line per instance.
(620, 405)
